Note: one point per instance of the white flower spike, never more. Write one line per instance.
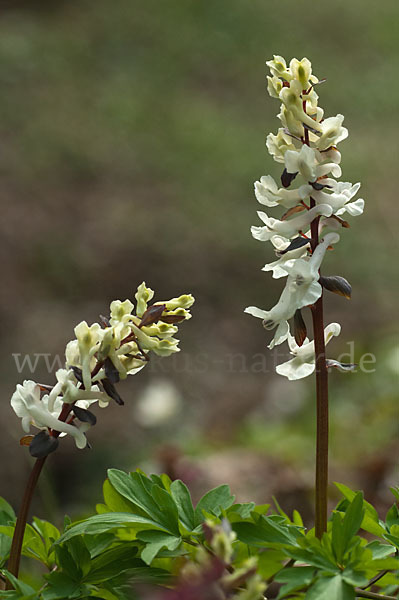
(96, 360)
(306, 146)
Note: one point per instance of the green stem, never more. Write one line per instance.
(364, 594)
(16, 546)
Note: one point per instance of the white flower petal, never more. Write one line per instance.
(295, 369)
(257, 312)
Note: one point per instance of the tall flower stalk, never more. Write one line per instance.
(306, 147)
(96, 360)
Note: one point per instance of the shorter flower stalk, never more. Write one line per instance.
(96, 360)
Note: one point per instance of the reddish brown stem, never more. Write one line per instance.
(321, 484)
(17, 540)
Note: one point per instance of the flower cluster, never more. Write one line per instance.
(96, 360)
(306, 146)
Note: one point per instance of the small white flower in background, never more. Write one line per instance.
(303, 363)
(99, 357)
(159, 402)
(312, 199)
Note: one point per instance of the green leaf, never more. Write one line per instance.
(149, 497)
(240, 511)
(330, 588)
(295, 579)
(380, 550)
(380, 564)
(353, 517)
(7, 513)
(115, 501)
(113, 562)
(279, 509)
(97, 544)
(61, 586)
(344, 528)
(168, 509)
(104, 523)
(80, 554)
(25, 590)
(270, 562)
(392, 517)
(370, 522)
(337, 536)
(49, 534)
(214, 502)
(261, 509)
(5, 547)
(315, 556)
(67, 563)
(156, 540)
(297, 519)
(355, 578)
(182, 497)
(267, 531)
(32, 545)
(394, 539)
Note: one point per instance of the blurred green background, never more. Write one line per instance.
(130, 137)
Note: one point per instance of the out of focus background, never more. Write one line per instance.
(130, 137)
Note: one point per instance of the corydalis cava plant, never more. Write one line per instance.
(313, 204)
(99, 357)
(306, 146)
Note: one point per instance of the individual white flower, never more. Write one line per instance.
(331, 154)
(332, 132)
(67, 390)
(161, 347)
(276, 317)
(277, 267)
(302, 289)
(289, 121)
(291, 96)
(303, 363)
(121, 312)
(35, 411)
(306, 162)
(302, 70)
(274, 85)
(278, 67)
(268, 193)
(288, 228)
(183, 301)
(339, 198)
(278, 145)
(304, 273)
(89, 340)
(143, 296)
